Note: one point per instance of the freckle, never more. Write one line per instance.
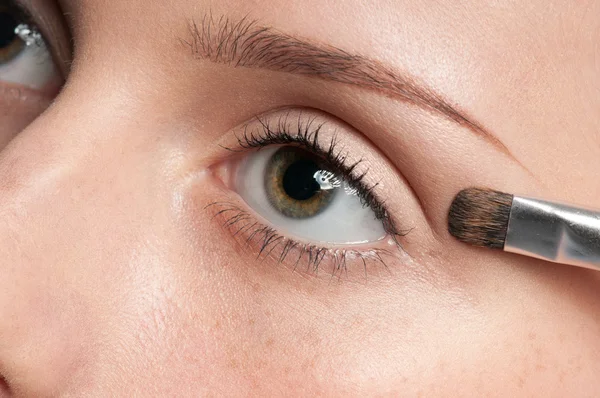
(531, 336)
(251, 321)
(269, 342)
(256, 288)
(562, 375)
(233, 364)
(218, 325)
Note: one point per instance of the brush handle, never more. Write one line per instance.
(554, 232)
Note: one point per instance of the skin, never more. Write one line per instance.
(118, 281)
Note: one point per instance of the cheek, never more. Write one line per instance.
(266, 328)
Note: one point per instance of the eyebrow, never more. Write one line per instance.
(247, 44)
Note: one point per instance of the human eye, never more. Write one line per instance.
(310, 197)
(29, 76)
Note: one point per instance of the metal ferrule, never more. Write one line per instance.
(554, 232)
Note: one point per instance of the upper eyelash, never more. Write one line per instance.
(307, 136)
(25, 19)
(21, 12)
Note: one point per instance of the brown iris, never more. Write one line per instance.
(291, 184)
(11, 45)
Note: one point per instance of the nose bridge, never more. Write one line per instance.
(73, 199)
(41, 180)
(66, 161)
(29, 167)
(65, 176)
(37, 162)
(64, 141)
(36, 228)
(83, 157)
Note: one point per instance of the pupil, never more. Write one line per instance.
(7, 29)
(298, 180)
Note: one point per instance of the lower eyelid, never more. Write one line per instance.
(265, 245)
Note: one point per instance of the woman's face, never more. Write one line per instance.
(162, 234)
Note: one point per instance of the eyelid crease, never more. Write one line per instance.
(247, 44)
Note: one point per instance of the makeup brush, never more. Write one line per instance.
(536, 228)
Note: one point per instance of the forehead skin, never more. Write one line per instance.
(121, 284)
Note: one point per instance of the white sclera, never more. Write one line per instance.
(344, 221)
(33, 67)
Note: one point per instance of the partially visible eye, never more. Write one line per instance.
(29, 77)
(301, 195)
(10, 43)
(24, 56)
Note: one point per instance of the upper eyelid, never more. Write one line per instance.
(305, 135)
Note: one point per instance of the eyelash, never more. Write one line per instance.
(241, 222)
(308, 138)
(26, 19)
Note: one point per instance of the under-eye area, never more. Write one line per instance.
(299, 197)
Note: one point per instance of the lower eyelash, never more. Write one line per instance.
(270, 244)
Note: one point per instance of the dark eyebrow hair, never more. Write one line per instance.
(247, 44)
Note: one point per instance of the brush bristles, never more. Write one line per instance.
(480, 217)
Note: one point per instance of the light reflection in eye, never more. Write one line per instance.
(294, 190)
(327, 180)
